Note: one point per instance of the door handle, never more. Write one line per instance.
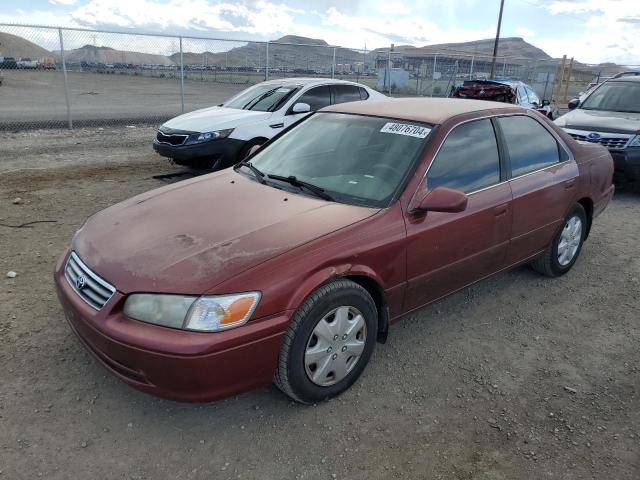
(501, 210)
(569, 184)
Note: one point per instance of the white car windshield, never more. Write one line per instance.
(355, 159)
(262, 98)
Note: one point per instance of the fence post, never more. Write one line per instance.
(471, 69)
(181, 77)
(333, 64)
(266, 65)
(504, 66)
(66, 84)
(566, 85)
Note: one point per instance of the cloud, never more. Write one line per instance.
(63, 2)
(603, 21)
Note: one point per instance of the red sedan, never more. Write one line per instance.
(290, 266)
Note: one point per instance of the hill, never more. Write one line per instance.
(93, 54)
(514, 47)
(18, 47)
(307, 54)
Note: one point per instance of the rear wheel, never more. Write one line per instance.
(328, 343)
(562, 253)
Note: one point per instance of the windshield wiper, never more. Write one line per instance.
(256, 172)
(292, 180)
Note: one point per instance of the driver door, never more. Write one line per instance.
(447, 251)
(316, 98)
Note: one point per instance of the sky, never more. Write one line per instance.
(592, 31)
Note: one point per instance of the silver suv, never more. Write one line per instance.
(610, 115)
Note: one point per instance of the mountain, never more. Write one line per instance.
(306, 54)
(18, 47)
(514, 47)
(93, 54)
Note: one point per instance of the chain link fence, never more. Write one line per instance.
(63, 77)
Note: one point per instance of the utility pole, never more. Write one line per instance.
(495, 45)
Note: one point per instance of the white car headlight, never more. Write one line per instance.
(204, 314)
(634, 142)
(208, 136)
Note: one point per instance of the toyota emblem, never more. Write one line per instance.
(81, 282)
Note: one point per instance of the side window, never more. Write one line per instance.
(346, 93)
(468, 159)
(363, 94)
(317, 97)
(530, 145)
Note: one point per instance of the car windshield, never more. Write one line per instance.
(615, 97)
(355, 159)
(262, 98)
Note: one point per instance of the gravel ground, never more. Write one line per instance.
(517, 377)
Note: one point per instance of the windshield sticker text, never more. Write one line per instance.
(405, 129)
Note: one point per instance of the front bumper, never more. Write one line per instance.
(225, 149)
(627, 162)
(170, 363)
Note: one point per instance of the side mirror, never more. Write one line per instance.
(301, 108)
(545, 103)
(442, 199)
(253, 150)
(573, 103)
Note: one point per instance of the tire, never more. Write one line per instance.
(337, 367)
(552, 262)
(244, 151)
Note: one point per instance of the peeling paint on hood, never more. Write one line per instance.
(190, 236)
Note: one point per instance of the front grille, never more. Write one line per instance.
(605, 142)
(171, 139)
(89, 286)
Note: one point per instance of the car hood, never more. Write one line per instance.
(599, 121)
(190, 236)
(215, 118)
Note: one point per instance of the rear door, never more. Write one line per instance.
(543, 180)
(447, 251)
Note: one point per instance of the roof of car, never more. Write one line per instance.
(627, 78)
(427, 110)
(305, 81)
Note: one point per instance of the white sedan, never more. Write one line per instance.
(218, 137)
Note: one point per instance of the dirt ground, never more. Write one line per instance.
(36, 97)
(517, 377)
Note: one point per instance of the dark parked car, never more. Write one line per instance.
(610, 116)
(9, 63)
(506, 91)
(292, 264)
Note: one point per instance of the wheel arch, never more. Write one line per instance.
(587, 204)
(362, 276)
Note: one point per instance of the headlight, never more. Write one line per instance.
(204, 314)
(208, 136)
(634, 142)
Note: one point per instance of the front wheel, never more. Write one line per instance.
(328, 343)
(562, 253)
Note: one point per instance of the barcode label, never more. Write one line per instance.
(406, 129)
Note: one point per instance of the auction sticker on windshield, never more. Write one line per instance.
(405, 129)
